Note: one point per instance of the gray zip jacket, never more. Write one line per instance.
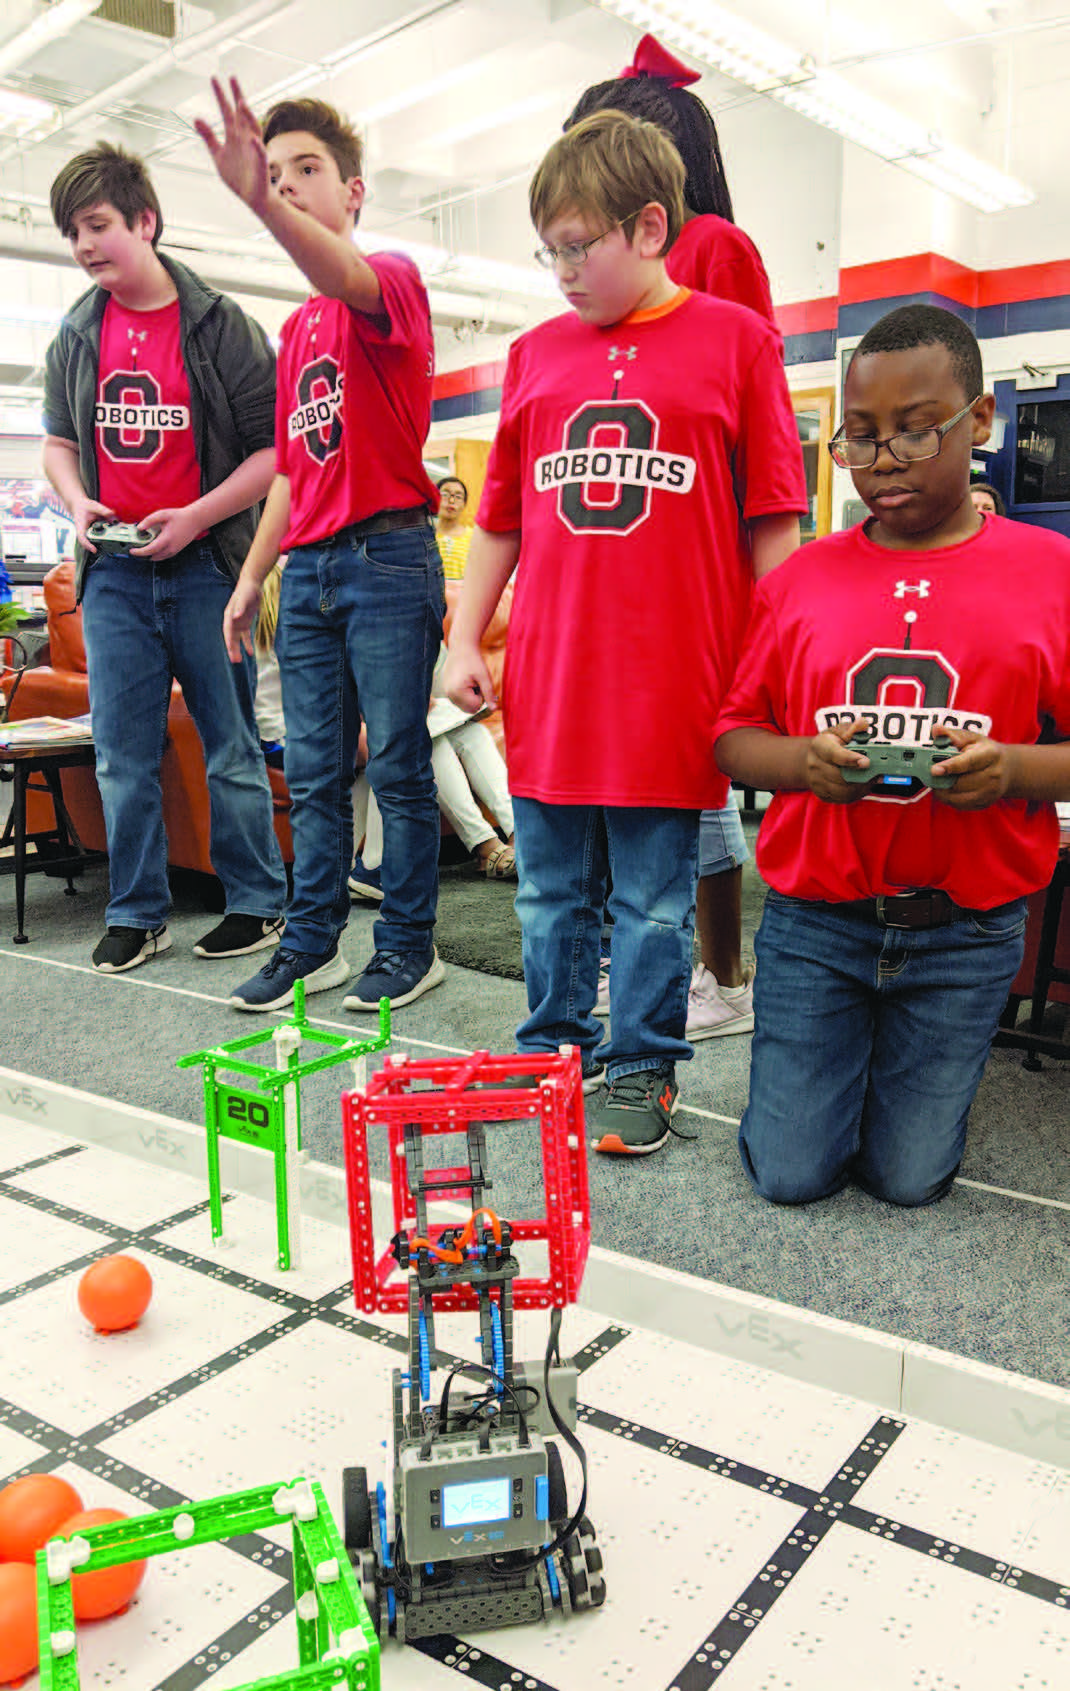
(231, 372)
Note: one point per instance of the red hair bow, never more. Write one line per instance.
(651, 59)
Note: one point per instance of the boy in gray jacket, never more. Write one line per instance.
(159, 412)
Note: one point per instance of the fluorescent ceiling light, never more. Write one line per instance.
(50, 23)
(731, 46)
(21, 112)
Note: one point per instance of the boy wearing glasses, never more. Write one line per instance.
(893, 926)
(646, 467)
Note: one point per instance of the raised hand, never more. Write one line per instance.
(240, 157)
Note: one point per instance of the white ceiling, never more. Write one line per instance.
(457, 100)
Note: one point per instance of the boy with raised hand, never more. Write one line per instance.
(893, 926)
(362, 601)
(645, 461)
(159, 412)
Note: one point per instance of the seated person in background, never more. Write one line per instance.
(453, 533)
(987, 499)
(468, 767)
(894, 922)
(271, 724)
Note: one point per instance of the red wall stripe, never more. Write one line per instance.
(919, 273)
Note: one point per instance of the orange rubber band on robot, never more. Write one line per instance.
(457, 1253)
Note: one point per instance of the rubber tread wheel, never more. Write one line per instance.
(558, 1496)
(356, 1509)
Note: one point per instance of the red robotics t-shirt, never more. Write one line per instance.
(354, 406)
(715, 257)
(976, 635)
(628, 457)
(146, 453)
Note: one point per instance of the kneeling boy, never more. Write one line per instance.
(893, 927)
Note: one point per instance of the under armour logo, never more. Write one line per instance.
(314, 319)
(628, 352)
(137, 334)
(921, 588)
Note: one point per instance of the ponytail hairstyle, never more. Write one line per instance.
(654, 87)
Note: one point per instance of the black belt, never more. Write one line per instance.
(925, 909)
(384, 522)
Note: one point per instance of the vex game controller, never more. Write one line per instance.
(119, 537)
(898, 766)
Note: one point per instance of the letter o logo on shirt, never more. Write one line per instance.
(125, 417)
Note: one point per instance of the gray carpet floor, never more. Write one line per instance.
(983, 1274)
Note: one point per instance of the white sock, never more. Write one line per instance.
(731, 992)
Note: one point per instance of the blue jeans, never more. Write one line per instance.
(360, 626)
(869, 1045)
(561, 868)
(722, 844)
(147, 622)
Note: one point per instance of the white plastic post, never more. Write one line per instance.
(287, 1041)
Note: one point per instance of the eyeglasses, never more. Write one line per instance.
(860, 452)
(575, 253)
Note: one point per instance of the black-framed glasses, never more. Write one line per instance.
(859, 452)
(575, 253)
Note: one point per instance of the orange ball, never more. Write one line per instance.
(104, 1591)
(31, 1510)
(114, 1293)
(18, 1622)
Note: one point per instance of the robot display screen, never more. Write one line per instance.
(479, 1500)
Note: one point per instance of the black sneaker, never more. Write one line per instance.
(237, 935)
(635, 1116)
(273, 987)
(400, 976)
(126, 948)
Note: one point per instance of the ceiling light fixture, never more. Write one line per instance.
(21, 112)
(730, 45)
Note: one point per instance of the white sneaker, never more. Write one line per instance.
(710, 1014)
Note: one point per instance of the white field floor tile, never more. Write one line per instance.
(106, 1184)
(976, 1496)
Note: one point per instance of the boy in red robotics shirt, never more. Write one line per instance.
(645, 460)
(362, 598)
(893, 926)
(714, 256)
(159, 404)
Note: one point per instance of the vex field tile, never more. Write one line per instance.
(799, 1432)
(117, 1190)
(58, 1367)
(862, 1612)
(976, 1496)
(41, 1244)
(313, 1402)
(249, 1246)
(676, 1542)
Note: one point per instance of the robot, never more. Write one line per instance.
(476, 1529)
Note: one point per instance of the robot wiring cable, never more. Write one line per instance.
(524, 1559)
